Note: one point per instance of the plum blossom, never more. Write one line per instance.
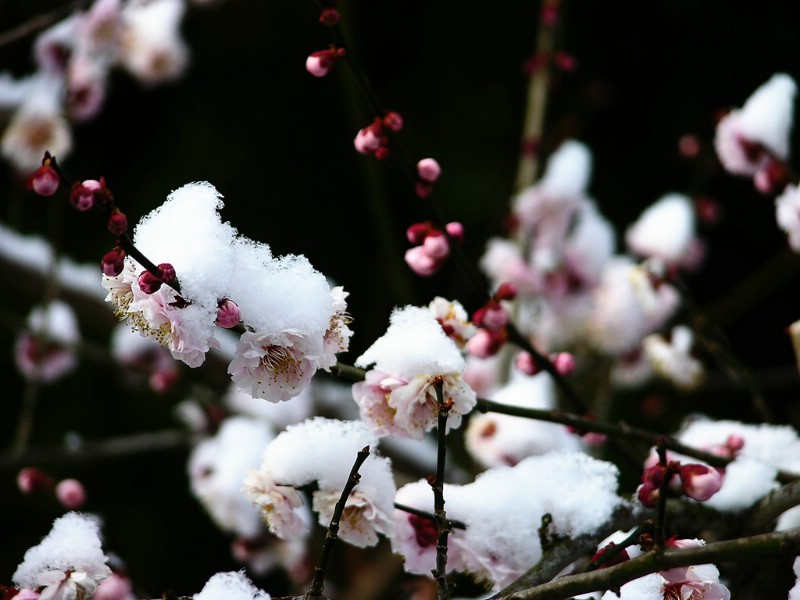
(453, 319)
(673, 360)
(748, 138)
(68, 563)
(407, 361)
(275, 367)
(321, 452)
(152, 49)
(279, 505)
(666, 231)
(46, 351)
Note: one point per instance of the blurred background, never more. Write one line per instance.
(277, 143)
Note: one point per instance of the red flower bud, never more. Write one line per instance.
(118, 223)
(149, 283)
(166, 272)
(113, 262)
(44, 180)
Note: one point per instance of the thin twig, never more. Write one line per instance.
(318, 583)
(439, 573)
(40, 22)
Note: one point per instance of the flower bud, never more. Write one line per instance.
(485, 343)
(166, 272)
(382, 152)
(648, 494)
(31, 479)
(564, 362)
(393, 121)
(367, 140)
(329, 16)
(421, 262)
(71, 494)
(455, 230)
(423, 190)
(700, 481)
(436, 244)
(44, 180)
(321, 62)
(149, 283)
(417, 232)
(118, 223)
(506, 291)
(428, 170)
(228, 313)
(113, 262)
(524, 363)
(491, 316)
(81, 197)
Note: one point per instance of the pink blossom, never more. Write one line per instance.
(275, 366)
(277, 504)
(116, 587)
(429, 170)
(453, 319)
(320, 63)
(45, 180)
(700, 481)
(228, 314)
(422, 263)
(367, 140)
(71, 494)
(361, 520)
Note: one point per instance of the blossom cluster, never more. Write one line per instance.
(74, 59)
(294, 322)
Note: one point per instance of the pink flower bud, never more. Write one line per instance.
(81, 196)
(689, 146)
(648, 494)
(429, 170)
(524, 363)
(436, 245)
(735, 442)
(31, 479)
(393, 121)
(163, 380)
(564, 362)
(382, 152)
(320, 63)
(367, 140)
(491, 316)
(485, 343)
(699, 481)
(118, 223)
(455, 230)
(71, 494)
(329, 16)
(228, 313)
(149, 283)
(421, 262)
(506, 291)
(113, 262)
(417, 232)
(44, 180)
(166, 272)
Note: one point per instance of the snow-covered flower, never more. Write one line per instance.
(495, 439)
(46, 350)
(672, 359)
(231, 586)
(666, 231)
(453, 319)
(322, 451)
(152, 48)
(68, 563)
(217, 468)
(408, 360)
(746, 138)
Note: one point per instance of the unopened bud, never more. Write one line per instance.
(31, 479)
(455, 230)
(149, 283)
(485, 343)
(700, 481)
(393, 121)
(329, 16)
(524, 363)
(429, 170)
(436, 244)
(81, 196)
(166, 272)
(118, 223)
(421, 262)
(113, 262)
(71, 494)
(44, 180)
(382, 152)
(564, 363)
(417, 232)
(506, 291)
(228, 314)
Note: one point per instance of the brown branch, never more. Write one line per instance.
(318, 583)
(439, 573)
(785, 543)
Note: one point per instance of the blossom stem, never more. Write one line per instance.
(439, 573)
(426, 515)
(40, 22)
(786, 543)
(318, 583)
(663, 492)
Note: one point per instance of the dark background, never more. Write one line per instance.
(277, 143)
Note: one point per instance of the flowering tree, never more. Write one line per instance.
(482, 387)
